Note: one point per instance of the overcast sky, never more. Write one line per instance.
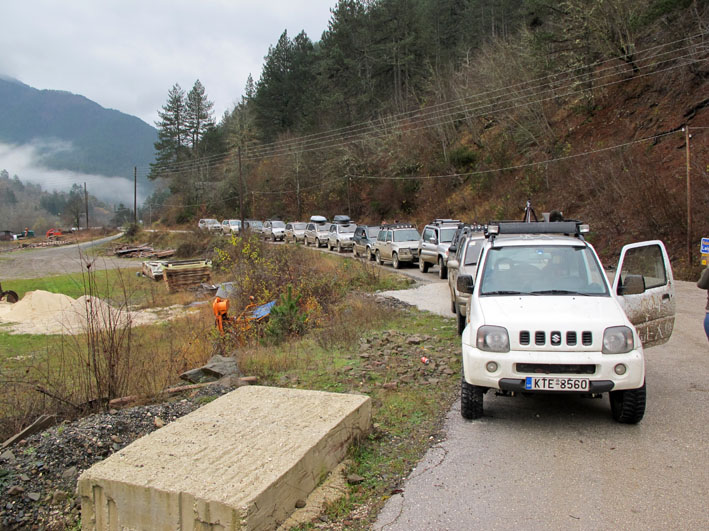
(126, 54)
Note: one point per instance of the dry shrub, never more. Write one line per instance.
(346, 321)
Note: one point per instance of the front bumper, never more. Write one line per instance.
(515, 366)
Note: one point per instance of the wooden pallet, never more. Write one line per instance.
(183, 274)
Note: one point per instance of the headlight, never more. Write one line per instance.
(618, 340)
(404, 250)
(493, 339)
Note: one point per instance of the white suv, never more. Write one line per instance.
(543, 318)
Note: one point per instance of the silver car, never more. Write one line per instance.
(209, 224)
(435, 239)
(274, 230)
(340, 236)
(230, 226)
(317, 234)
(463, 262)
(254, 225)
(397, 243)
(295, 231)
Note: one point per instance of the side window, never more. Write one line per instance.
(426, 234)
(388, 236)
(380, 236)
(648, 262)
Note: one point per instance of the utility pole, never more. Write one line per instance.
(241, 193)
(687, 136)
(135, 195)
(86, 200)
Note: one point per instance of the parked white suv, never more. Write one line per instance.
(543, 317)
(435, 239)
(340, 236)
(212, 225)
(274, 230)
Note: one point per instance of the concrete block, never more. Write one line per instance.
(239, 462)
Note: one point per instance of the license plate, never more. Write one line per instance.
(556, 383)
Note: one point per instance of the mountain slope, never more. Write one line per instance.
(94, 139)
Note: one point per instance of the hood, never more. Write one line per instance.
(548, 313)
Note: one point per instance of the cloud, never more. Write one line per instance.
(126, 54)
(25, 162)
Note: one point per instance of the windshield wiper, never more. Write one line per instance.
(558, 292)
(502, 292)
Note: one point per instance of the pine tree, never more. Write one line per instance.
(200, 115)
(170, 147)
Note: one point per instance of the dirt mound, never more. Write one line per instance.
(42, 312)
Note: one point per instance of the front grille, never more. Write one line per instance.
(587, 338)
(540, 338)
(524, 337)
(553, 368)
(556, 338)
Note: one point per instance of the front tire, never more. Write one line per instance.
(423, 265)
(442, 270)
(471, 400)
(378, 257)
(395, 261)
(354, 252)
(628, 406)
(370, 255)
(460, 320)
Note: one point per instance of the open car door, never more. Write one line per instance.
(644, 287)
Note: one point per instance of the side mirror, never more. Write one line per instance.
(633, 285)
(465, 283)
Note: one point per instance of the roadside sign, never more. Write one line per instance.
(705, 246)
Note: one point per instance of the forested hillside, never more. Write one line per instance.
(71, 132)
(413, 109)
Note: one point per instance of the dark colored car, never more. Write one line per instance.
(364, 238)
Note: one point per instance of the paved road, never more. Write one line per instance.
(46, 261)
(563, 463)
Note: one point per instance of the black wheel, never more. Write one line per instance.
(460, 321)
(423, 265)
(442, 270)
(10, 296)
(370, 255)
(339, 247)
(317, 243)
(628, 406)
(395, 261)
(471, 400)
(378, 257)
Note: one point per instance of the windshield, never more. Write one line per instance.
(406, 235)
(299, 226)
(372, 232)
(257, 224)
(347, 228)
(542, 270)
(278, 225)
(447, 234)
(236, 222)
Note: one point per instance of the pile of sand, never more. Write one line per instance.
(42, 312)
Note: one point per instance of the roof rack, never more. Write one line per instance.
(398, 226)
(445, 221)
(569, 227)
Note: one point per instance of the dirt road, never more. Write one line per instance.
(37, 263)
(562, 463)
